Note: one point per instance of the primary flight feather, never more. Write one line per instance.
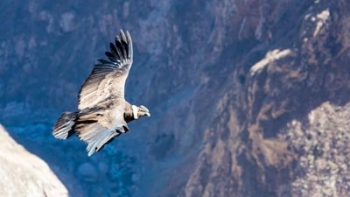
(103, 112)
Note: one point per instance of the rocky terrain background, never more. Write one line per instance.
(248, 97)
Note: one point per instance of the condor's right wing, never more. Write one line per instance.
(107, 79)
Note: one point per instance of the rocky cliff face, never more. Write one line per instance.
(248, 97)
(23, 174)
(281, 127)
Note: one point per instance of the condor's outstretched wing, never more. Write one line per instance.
(107, 79)
(101, 124)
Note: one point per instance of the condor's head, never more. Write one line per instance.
(136, 112)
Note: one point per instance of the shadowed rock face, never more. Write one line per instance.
(282, 124)
(248, 97)
(23, 174)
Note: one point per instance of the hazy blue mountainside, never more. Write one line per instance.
(49, 48)
(248, 97)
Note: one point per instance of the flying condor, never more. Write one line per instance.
(103, 112)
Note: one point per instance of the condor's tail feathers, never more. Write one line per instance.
(63, 128)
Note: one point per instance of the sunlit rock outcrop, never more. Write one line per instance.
(24, 174)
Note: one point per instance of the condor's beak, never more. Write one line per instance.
(143, 111)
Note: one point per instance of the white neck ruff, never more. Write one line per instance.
(134, 111)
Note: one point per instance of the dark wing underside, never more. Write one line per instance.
(107, 79)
